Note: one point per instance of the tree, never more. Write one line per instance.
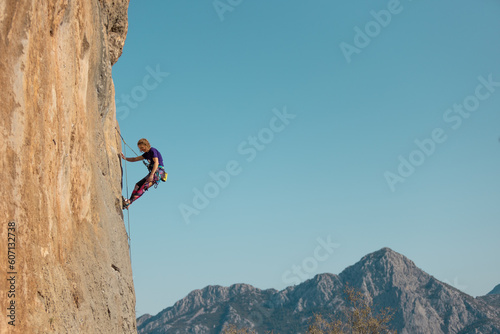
(357, 318)
(232, 329)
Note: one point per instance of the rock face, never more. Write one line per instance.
(60, 170)
(493, 297)
(421, 303)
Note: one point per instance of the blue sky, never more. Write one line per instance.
(339, 166)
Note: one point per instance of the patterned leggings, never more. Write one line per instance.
(142, 186)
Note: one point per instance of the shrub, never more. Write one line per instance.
(357, 318)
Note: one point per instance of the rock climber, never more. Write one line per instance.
(155, 167)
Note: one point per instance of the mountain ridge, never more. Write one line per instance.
(495, 291)
(421, 303)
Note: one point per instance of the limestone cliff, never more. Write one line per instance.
(60, 173)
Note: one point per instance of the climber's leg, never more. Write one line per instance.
(140, 188)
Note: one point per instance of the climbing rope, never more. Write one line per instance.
(126, 187)
(128, 211)
(144, 162)
(124, 141)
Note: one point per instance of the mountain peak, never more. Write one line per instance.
(387, 253)
(384, 268)
(385, 257)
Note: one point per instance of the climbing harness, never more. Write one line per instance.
(160, 175)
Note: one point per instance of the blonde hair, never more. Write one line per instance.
(144, 142)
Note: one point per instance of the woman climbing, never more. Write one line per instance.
(156, 170)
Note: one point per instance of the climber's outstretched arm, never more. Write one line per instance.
(139, 158)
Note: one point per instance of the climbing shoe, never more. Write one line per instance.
(125, 203)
